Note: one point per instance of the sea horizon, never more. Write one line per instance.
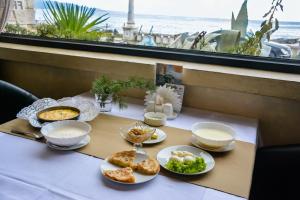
(164, 24)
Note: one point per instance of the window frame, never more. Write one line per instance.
(195, 56)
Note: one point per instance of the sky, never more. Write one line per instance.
(197, 8)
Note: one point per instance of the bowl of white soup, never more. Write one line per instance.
(66, 133)
(213, 134)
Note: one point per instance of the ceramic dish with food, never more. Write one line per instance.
(185, 160)
(137, 133)
(89, 109)
(66, 133)
(213, 134)
(157, 137)
(79, 145)
(129, 167)
(196, 143)
(58, 113)
(155, 119)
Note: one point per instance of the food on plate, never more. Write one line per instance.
(66, 132)
(155, 118)
(154, 136)
(185, 162)
(136, 132)
(181, 153)
(124, 175)
(58, 113)
(149, 166)
(213, 134)
(123, 158)
(139, 135)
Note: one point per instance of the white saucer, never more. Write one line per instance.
(82, 143)
(221, 149)
(161, 136)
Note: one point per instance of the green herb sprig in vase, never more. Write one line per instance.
(108, 91)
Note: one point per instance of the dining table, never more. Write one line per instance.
(30, 170)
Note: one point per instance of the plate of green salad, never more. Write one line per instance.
(185, 160)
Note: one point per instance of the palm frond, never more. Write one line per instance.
(72, 19)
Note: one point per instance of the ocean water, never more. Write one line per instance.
(176, 25)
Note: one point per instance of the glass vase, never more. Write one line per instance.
(105, 102)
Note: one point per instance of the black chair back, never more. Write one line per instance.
(12, 100)
(276, 173)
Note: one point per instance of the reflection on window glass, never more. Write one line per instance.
(268, 28)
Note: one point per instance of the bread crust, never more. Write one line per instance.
(149, 166)
(124, 175)
(123, 158)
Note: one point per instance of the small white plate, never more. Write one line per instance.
(81, 144)
(164, 155)
(161, 136)
(229, 147)
(139, 178)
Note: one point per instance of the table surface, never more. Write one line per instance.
(30, 170)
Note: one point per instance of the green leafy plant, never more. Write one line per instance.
(253, 45)
(241, 21)
(105, 88)
(17, 29)
(73, 21)
(46, 30)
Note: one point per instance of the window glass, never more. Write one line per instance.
(268, 28)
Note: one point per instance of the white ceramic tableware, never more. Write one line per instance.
(88, 109)
(164, 155)
(213, 134)
(161, 136)
(79, 145)
(173, 116)
(155, 118)
(168, 109)
(149, 131)
(62, 133)
(229, 147)
(139, 178)
(137, 134)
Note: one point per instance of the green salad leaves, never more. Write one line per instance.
(186, 167)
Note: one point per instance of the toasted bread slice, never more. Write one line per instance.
(149, 166)
(123, 158)
(124, 175)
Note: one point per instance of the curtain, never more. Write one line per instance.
(6, 7)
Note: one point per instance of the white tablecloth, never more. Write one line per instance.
(31, 171)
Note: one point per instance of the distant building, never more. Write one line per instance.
(23, 13)
(129, 29)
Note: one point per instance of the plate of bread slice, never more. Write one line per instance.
(130, 167)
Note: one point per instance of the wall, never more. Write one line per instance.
(273, 98)
(48, 81)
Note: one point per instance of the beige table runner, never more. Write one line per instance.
(232, 172)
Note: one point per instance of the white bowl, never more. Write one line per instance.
(155, 118)
(210, 141)
(66, 140)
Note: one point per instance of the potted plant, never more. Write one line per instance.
(108, 91)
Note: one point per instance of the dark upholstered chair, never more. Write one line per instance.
(276, 173)
(12, 100)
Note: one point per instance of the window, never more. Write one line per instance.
(234, 31)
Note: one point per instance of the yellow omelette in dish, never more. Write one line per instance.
(58, 114)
